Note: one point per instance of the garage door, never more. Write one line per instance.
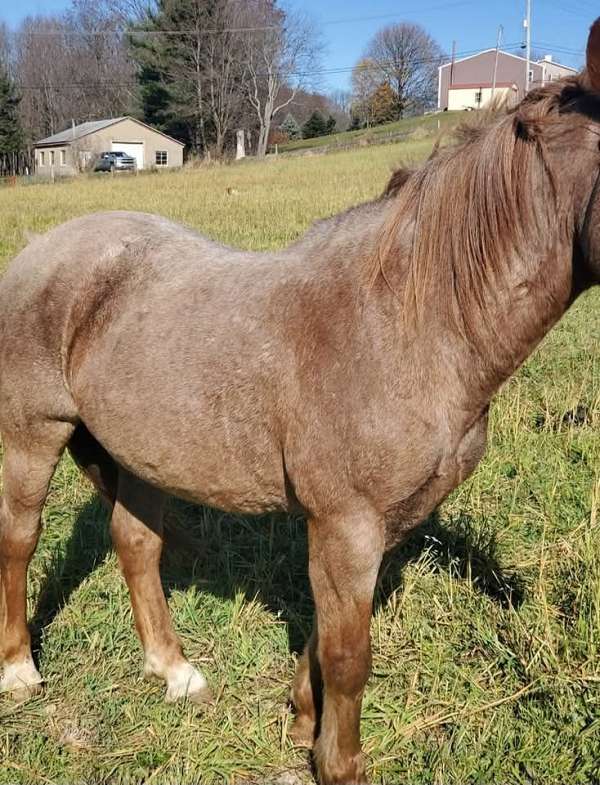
(134, 149)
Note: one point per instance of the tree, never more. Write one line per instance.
(11, 133)
(291, 128)
(383, 105)
(191, 78)
(317, 125)
(407, 57)
(366, 79)
(279, 52)
(72, 67)
(340, 103)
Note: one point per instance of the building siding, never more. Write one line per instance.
(475, 97)
(81, 153)
(479, 70)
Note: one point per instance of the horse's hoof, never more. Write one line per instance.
(21, 681)
(23, 694)
(186, 682)
(302, 733)
(203, 697)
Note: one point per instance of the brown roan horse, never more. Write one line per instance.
(348, 376)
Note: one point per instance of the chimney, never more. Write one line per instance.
(548, 58)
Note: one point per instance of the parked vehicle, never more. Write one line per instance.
(114, 161)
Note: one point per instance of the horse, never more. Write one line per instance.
(348, 377)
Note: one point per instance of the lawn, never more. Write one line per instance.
(486, 633)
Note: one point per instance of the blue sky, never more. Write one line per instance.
(559, 26)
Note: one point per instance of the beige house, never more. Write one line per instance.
(77, 148)
(468, 83)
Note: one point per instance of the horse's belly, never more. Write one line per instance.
(220, 456)
(212, 473)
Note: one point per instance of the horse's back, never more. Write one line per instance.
(151, 335)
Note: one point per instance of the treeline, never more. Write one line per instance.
(197, 70)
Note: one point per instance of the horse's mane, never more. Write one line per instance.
(473, 207)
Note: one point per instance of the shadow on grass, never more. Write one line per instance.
(87, 547)
(266, 558)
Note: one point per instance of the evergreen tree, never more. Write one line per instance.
(315, 126)
(190, 79)
(291, 128)
(11, 134)
(331, 123)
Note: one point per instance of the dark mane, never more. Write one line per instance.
(397, 182)
(468, 210)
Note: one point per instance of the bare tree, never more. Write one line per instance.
(44, 78)
(6, 48)
(196, 72)
(407, 57)
(72, 67)
(127, 12)
(224, 71)
(342, 100)
(281, 54)
(366, 79)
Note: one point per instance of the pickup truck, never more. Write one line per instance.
(114, 161)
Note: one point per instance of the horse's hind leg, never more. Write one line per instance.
(305, 695)
(29, 462)
(136, 529)
(95, 462)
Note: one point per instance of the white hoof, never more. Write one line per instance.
(21, 679)
(185, 681)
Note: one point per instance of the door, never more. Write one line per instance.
(134, 149)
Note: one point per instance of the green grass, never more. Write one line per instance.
(486, 634)
(419, 126)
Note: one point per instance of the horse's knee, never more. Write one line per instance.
(19, 530)
(345, 666)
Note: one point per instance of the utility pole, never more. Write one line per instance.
(528, 45)
(498, 42)
(453, 61)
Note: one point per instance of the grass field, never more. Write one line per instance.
(486, 633)
(430, 124)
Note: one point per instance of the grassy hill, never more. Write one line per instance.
(429, 124)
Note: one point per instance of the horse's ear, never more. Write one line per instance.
(593, 56)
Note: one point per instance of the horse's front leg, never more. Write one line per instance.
(136, 529)
(345, 554)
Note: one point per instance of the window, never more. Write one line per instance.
(63, 157)
(42, 158)
(161, 158)
(51, 157)
(530, 77)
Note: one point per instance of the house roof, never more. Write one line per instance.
(510, 54)
(85, 129)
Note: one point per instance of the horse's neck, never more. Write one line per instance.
(521, 317)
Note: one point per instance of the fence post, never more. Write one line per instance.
(241, 145)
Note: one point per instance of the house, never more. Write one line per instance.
(75, 149)
(468, 83)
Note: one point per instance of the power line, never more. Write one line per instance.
(317, 72)
(559, 48)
